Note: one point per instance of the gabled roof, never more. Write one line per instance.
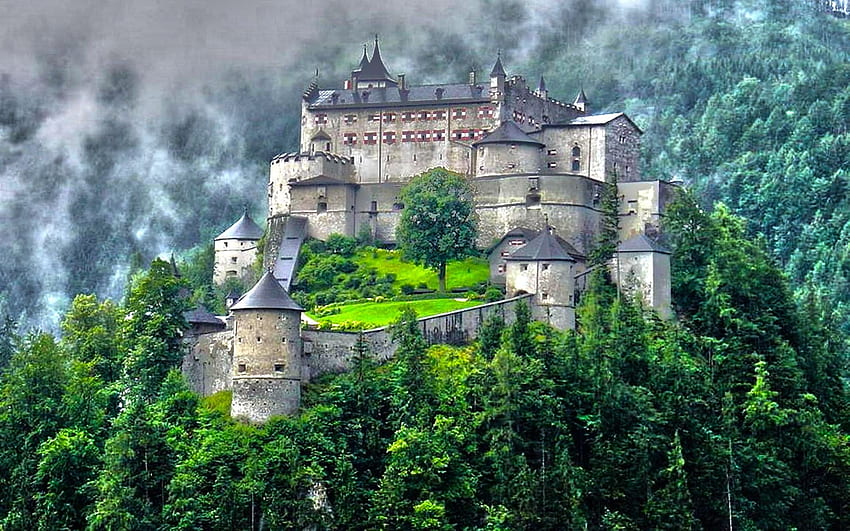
(201, 315)
(498, 69)
(602, 119)
(267, 294)
(508, 133)
(319, 180)
(546, 246)
(243, 229)
(321, 135)
(641, 244)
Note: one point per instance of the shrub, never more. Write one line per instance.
(493, 294)
(341, 245)
(407, 289)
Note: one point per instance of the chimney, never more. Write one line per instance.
(472, 77)
(401, 84)
(438, 92)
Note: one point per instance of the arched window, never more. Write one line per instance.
(576, 151)
(576, 165)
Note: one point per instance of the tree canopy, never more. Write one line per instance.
(438, 221)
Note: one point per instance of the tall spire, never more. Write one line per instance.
(364, 61)
(498, 69)
(541, 87)
(375, 70)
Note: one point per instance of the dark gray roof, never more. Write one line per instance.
(413, 95)
(508, 133)
(244, 229)
(374, 70)
(498, 69)
(364, 61)
(641, 244)
(581, 98)
(321, 135)
(201, 315)
(541, 87)
(267, 294)
(319, 180)
(546, 246)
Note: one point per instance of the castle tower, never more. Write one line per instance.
(236, 250)
(266, 370)
(507, 150)
(497, 82)
(582, 103)
(545, 266)
(642, 268)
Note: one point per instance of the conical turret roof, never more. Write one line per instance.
(243, 229)
(541, 87)
(546, 246)
(498, 69)
(581, 98)
(642, 244)
(267, 294)
(508, 133)
(364, 61)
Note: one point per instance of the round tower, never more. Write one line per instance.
(236, 250)
(507, 150)
(266, 373)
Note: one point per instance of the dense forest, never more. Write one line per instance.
(735, 415)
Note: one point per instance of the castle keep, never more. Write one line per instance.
(537, 167)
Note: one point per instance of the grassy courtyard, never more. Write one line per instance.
(375, 314)
(461, 274)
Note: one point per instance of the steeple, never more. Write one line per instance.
(497, 81)
(498, 69)
(582, 103)
(374, 71)
(364, 61)
(541, 88)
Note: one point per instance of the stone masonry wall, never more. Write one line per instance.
(208, 361)
(332, 352)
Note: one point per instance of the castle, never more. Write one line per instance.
(537, 167)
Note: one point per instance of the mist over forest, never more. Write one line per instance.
(131, 131)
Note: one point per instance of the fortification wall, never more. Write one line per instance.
(208, 361)
(274, 237)
(528, 107)
(332, 352)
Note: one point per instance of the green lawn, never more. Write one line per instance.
(463, 274)
(375, 314)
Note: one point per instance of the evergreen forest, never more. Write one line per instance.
(734, 415)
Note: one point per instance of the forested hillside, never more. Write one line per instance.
(737, 416)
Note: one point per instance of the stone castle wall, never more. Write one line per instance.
(207, 363)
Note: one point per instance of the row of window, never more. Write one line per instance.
(322, 206)
(459, 113)
(434, 135)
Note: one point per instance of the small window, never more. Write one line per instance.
(576, 165)
(576, 151)
(533, 183)
(242, 367)
(233, 259)
(552, 152)
(259, 339)
(373, 207)
(544, 267)
(322, 207)
(523, 267)
(632, 207)
(501, 268)
(544, 296)
(552, 164)
(513, 146)
(398, 206)
(278, 367)
(283, 340)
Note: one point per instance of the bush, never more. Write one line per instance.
(341, 245)
(407, 289)
(493, 294)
